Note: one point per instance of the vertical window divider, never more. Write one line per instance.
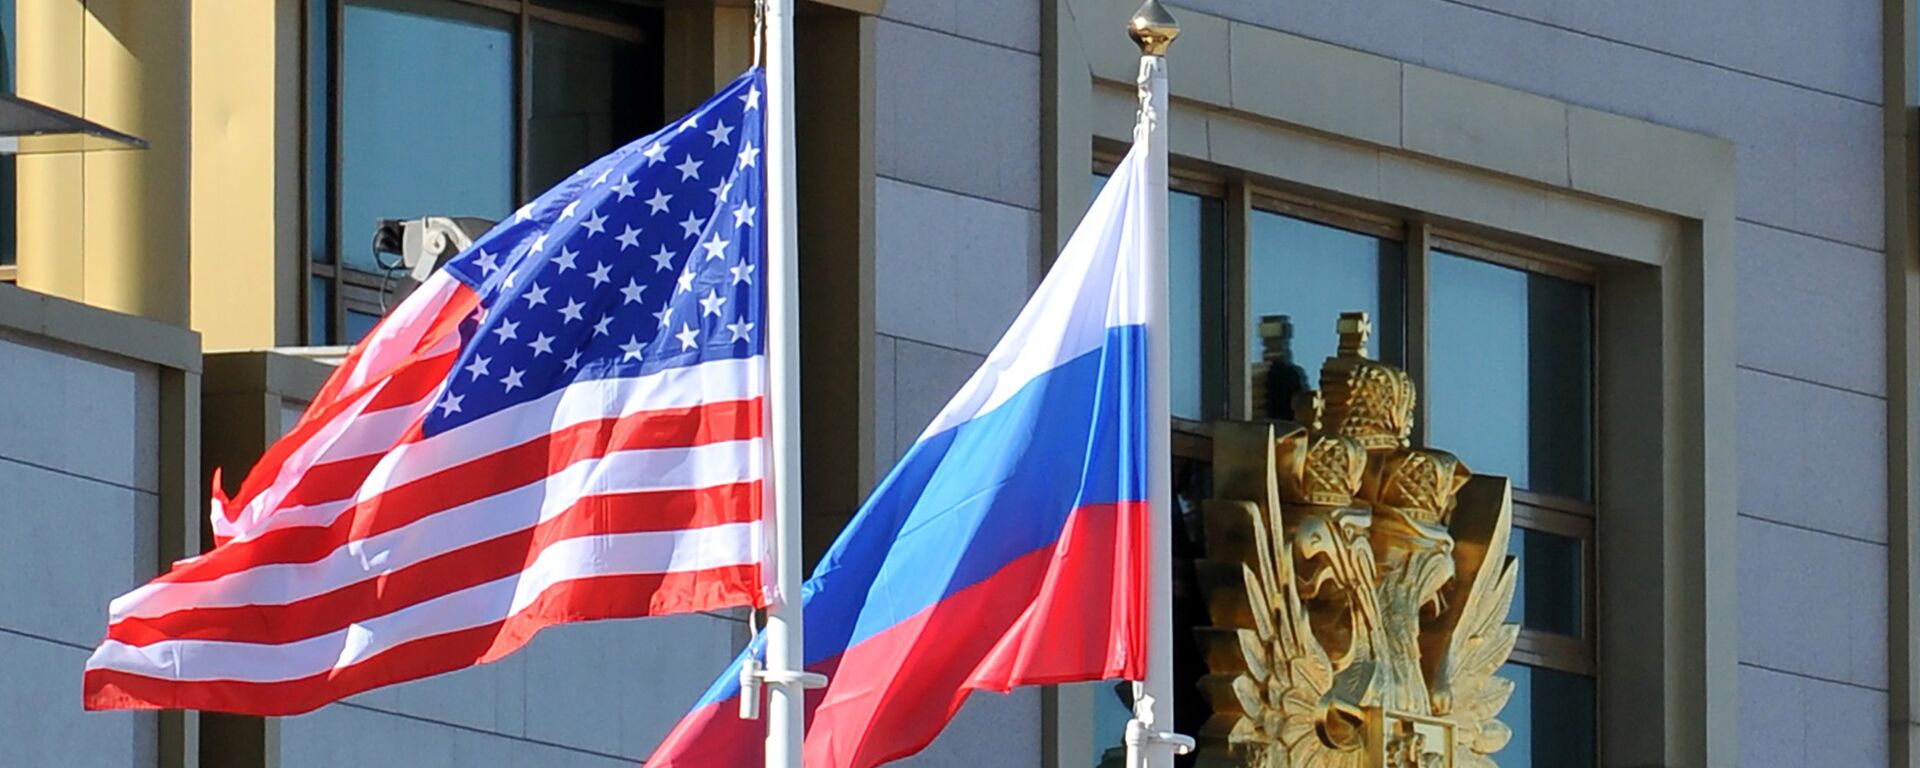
(522, 100)
(1238, 346)
(336, 37)
(1418, 246)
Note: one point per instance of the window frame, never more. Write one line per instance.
(1418, 237)
(361, 291)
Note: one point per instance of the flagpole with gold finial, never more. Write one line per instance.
(1151, 741)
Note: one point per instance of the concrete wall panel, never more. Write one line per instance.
(1789, 721)
(1811, 309)
(41, 723)
(80, 412)
(1813, 604)
(957, 115)
(70, 545)
(951, 270)
(1808, 456)
(1006, 23)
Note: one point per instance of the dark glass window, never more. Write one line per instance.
(9, 55)
(1511, 384)
(1551, 714)
(445, 108)
(1308, 273)
(426, 116)
(572, 121)
(1549, 594)
(1195, 245)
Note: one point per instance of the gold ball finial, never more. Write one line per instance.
(1153, 28)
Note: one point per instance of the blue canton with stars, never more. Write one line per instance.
(649, 258)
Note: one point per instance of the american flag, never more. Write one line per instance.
(562, 424)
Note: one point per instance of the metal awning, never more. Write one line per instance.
(27, 128)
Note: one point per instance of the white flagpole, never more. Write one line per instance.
(1151, 742)
(785, 678)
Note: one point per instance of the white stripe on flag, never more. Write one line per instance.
(588, 556)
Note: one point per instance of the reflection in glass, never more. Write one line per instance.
(1195, 251)
(591, 93)
(426, 116)
(1311, 272)
(1548, 594)
(1510, 385)
(1552, 717)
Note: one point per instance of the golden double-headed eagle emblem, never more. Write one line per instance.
(1357, 587)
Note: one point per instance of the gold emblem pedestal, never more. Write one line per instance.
(1357, 587)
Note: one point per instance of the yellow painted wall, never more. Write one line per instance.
(109, 228)
(245, 225)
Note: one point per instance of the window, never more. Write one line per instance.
(455, 108)
(9, 45)
(1506, 378)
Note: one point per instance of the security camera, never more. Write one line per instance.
(424, 244)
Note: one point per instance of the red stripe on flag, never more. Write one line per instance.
(1068, 613)
(589, 599)
(385, 592)
(501, 471)
(334, 397)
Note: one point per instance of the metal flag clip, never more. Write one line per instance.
(1139, 734)
(754, 676)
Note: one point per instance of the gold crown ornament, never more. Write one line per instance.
(1316, 467)
(1367, 400)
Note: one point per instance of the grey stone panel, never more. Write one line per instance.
(925, 378)
(982, 102)
(613, 687)
(1813, 604)
(990, 729)
(1811, 309)
(1010, 23)
(1808, 161)
(69, 545)
(1791, 721)
(620, 686)
(42, 724)
(1810, 456)
(353, 736)
(950, 270)
(1832, 47)
(80, 412)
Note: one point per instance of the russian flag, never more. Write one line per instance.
(1008, 547)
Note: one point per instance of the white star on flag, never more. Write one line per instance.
(740, 328)
(686, 337)
(630, 238)
(659, 201)
(664, 259)
(722, 134)
(599, 274)
(712, 303)
(688, 168)
(595, 224)
(632, 291)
